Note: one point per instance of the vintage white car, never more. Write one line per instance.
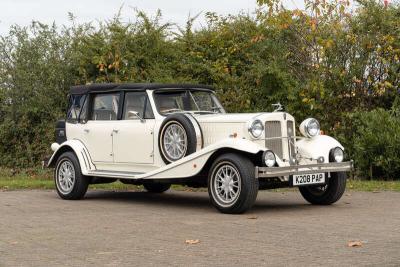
(162, 134)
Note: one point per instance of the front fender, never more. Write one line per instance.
(192, 164)
(80, 151)
(316, 147)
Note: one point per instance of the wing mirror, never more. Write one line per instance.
(134, 114)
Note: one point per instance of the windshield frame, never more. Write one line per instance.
(189, 90)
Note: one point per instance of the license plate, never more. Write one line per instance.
(307, 179)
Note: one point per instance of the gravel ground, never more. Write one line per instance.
(141, 229)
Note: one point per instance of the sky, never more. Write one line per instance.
(22, 12)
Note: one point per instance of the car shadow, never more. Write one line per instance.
(172, 198)
(195, 200)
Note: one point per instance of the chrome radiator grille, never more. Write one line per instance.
(273, 137)
(283, 146)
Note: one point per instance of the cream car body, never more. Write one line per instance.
(129, 149)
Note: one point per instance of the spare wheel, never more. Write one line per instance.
(180, 135)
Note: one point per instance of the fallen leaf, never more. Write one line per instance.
(192, 241)
(353, 244)
(252, 217)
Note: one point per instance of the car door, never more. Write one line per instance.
(133, 141)
(99, 129)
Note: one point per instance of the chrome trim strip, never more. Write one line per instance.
(304, 169)
(84, 159)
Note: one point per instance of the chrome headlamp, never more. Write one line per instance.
(256, 128)
(310, 127)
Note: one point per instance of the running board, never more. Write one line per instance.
(115, 174)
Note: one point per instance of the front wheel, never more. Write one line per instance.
(232, 185)
(70, 183)
(327, 194)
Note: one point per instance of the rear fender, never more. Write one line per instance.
(80, 151)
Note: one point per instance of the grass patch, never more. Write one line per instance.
(370, 186)
(43, 179)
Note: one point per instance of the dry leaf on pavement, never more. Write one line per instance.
(353, 244)
(192, 241)
(252, 217)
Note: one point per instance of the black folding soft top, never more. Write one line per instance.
(105, 87)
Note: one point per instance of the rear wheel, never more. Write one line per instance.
(327, 194)
(156, 187)
(68, 178)
(232, 185)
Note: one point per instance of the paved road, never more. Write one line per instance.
(141, 229)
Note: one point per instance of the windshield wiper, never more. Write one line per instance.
(203, 111)
(216, 109)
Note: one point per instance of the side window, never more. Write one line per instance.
(105, 107)
(137, 102)
(77, 106)
(83, 115)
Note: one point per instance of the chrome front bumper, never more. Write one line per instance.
(263, 172)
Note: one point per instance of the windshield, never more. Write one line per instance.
(195, 101)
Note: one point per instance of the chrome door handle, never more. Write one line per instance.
(115, 131)
(86, 130)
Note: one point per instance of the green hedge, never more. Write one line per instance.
(323, 62)
(374, 142)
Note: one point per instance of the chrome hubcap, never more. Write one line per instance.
(226, 184)
(66, 177)
(175, 141)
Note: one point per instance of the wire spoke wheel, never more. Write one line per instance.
(179, 136)
(226, 184)
(174, 141)
(65, 176)
(69, 181)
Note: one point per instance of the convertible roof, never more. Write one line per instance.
(106, 87)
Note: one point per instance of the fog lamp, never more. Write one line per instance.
(269, 158)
